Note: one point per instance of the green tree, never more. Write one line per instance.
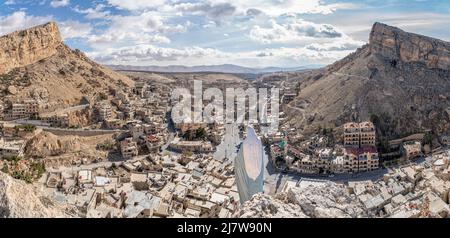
(375, 119)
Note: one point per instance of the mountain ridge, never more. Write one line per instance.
(224, 68)
(41, 67)
(396, 66)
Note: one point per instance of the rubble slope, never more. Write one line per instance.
(330, 200)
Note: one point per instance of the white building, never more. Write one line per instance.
(10, 149)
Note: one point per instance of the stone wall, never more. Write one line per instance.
(77, 132)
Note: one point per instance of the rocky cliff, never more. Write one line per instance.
(36, 64)
(396, 44)
(26, 47)
(21, 200)
(394, 67)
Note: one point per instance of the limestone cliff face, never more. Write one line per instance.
(26, 47)
(396, 44)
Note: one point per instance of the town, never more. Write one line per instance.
(122, 155)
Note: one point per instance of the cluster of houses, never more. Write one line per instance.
(357, 154)
(415, 190)
(171, 185)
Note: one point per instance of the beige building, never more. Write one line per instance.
(10, 149)
(27, 109)
(56, 120)
(104, 111)
(359, 134)
(412, 150)
(114, 123)
(367, 134)
(183, 127)
(192, 146)
(360, 159)
(129, 148)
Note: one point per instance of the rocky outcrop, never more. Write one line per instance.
(396, 44)
(265, 206)
(329, 200)
(29, 46)
(47, 144)
(35, 63)
(394, 67)
(21, 200)
(326, 201)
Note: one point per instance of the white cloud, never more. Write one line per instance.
(20, 20)
(287, 57)
(144, 28)
(292, 31)
(94, 13)
(280, 7)
(59, 3)
(146, 53)
(343, 44)
(10, 2)
(137, 4)
(210, 24)
(74, 29)
(213, 11)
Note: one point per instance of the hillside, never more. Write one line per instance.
(37, 64)
(21, 200)
(400, 79)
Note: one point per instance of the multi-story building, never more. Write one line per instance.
(367, 134)
(56, 120)
(10, 149)
(19, 110)
(191, 146)
(104, 110)
(27, 109)
(129, 148)
(137, 131)
(184, 127)
(114, 123)
(351, 134)
(305, 165)
(412, 150)
(360, 159)
(359, 134)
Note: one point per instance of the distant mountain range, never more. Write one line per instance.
(225, 68)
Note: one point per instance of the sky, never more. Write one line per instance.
(251, 33)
